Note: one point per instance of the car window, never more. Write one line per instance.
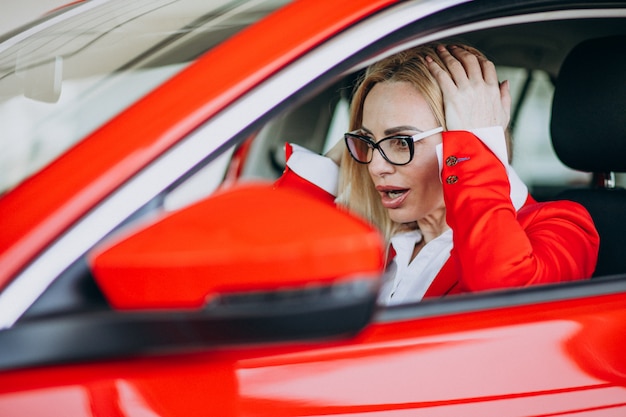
(320, 122)
(65, 76)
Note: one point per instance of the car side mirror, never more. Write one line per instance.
(250, 251)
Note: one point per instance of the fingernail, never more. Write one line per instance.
(428, 58)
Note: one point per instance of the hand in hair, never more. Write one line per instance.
(472, 96)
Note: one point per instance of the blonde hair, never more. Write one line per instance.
(356, 190)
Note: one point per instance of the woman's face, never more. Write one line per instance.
(409, 192)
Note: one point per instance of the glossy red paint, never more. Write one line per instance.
(202, 255)
(546, 359)
(70, 186)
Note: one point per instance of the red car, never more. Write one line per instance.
(148, 269)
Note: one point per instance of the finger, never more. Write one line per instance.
(444, 80)
(457, 71)
(469, 61)
(505, 99)
(488, 69)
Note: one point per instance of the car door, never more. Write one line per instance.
(551, 350)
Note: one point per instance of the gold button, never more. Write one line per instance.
(451, 161)
(452, 179)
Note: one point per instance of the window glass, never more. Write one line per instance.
(64, 77)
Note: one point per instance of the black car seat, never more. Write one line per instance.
(588, 129)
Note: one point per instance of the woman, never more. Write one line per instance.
(427, 161)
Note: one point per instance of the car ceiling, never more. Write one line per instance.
(541, 45)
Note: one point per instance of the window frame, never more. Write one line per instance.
(302, 78)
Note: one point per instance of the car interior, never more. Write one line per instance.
(588, 133)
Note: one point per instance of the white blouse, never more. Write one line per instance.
(407, 280)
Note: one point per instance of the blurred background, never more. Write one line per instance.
(14, 13)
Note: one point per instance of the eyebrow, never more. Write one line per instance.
(394, 130)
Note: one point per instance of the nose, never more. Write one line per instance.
(379, 166)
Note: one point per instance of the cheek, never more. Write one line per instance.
(426, 168)
(427, 187)
(428, 183)
(433, 174)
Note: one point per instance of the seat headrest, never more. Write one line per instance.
(588, 125)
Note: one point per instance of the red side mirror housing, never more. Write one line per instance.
(238, 244)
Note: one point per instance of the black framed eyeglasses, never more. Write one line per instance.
(397, 149)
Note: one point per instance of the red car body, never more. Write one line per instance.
(546, 351)
(546, 359)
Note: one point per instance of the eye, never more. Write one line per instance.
(400, 143)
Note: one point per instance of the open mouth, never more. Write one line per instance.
(393, 194)
(392, 197)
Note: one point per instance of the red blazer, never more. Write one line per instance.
(495, 246)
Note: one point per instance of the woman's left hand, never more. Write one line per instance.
(473, 97)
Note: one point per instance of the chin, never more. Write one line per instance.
(399, 217)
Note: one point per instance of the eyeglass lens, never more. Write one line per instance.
(396, 149)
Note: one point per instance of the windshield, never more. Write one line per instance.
(63, 77)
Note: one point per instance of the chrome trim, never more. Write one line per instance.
(34, 279)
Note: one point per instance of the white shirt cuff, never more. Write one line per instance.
(315, 168)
